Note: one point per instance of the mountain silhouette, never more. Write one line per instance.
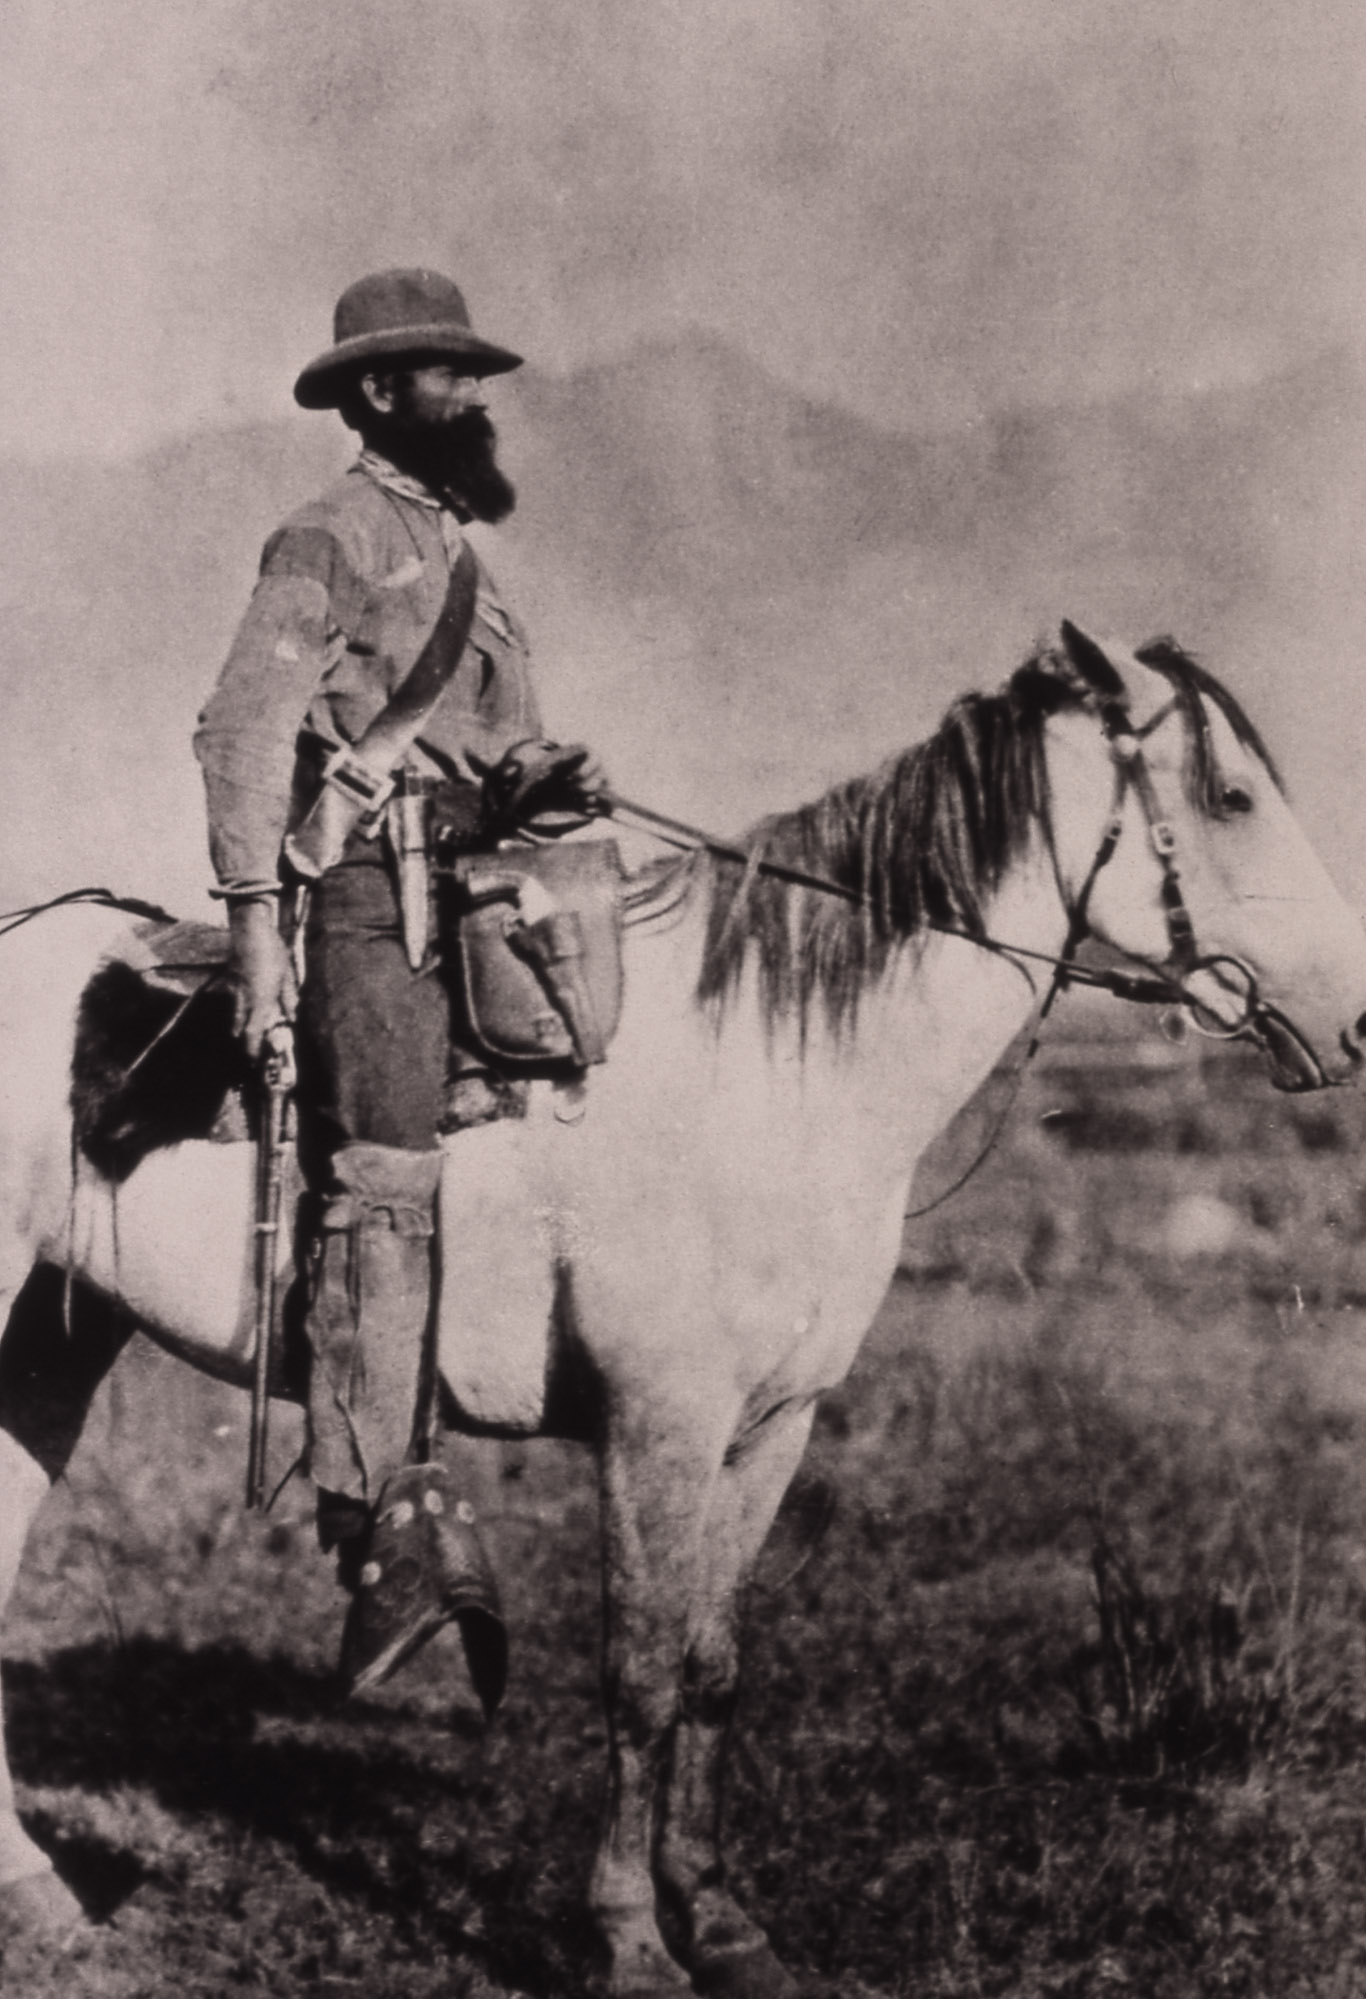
(738, 592)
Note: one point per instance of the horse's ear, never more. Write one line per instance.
(1088, 657)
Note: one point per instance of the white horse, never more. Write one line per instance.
(675, 1265)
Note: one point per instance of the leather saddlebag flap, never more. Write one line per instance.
(538, 950)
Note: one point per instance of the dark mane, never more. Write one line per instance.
(923, 840)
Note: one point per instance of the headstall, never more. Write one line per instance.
(1232, 1010)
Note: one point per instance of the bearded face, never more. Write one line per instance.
(432, 424)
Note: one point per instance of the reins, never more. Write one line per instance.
(1154, 986)
(102, 898)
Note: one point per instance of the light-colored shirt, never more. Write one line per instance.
(350, 590)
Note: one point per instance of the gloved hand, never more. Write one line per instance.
(260, 970)
(551, 786)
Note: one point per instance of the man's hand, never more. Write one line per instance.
(553, 786)
(261, 971)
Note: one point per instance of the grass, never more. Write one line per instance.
(1056, 1663)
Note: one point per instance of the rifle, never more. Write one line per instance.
(277, 1131)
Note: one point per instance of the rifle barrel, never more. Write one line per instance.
(279, 1080)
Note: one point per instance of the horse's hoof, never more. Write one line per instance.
(667, 1982)
(746, 1974)
(668, 1990)
(40, 1908)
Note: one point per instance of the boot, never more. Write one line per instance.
(417, 1562)
(424, 1566)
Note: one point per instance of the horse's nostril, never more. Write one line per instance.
(1360, 1029)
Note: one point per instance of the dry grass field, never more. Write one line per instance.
(1056, 1662)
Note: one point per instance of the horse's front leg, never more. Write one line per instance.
(656, 1481)
(728, 1953)
(53, 1355)
(34, 1903)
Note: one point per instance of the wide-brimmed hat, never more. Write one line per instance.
(393, 314)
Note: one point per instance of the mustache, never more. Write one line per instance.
(466, 431)
(469, 427)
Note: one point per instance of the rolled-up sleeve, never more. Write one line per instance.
(247, 732)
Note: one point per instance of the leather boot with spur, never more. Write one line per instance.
(424, 1565)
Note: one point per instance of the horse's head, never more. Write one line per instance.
(1173, 837)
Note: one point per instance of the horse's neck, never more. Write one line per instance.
(950, 1008)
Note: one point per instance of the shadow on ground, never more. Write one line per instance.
(380, 1808)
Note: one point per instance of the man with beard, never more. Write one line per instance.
(368, 593)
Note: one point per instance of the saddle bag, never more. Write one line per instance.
(531, 937)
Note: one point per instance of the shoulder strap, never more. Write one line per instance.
(399, 722)
(359, 777)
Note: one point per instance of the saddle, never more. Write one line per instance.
(531, 939)
(156, 1060)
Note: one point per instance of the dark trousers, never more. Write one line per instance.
(374, 1046)
(374, 1036)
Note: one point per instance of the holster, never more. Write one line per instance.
(531, 937)
(555, 949)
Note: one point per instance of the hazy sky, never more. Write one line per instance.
(925, 209)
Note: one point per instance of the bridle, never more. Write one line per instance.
(1230, 1007)
(1241, 1010)
(1235, 1009)
(1158, 985)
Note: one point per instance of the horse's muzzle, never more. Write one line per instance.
(1293, 1065)
(1221, 999)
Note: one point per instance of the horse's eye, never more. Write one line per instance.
(1235, 798)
